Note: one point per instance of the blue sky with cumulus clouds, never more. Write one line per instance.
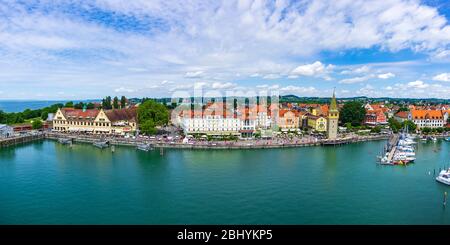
(76, 49)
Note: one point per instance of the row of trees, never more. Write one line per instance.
(108, 103)
(20, 117)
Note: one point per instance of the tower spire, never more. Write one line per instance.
(333, 104)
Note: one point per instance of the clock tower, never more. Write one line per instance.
(333, 119)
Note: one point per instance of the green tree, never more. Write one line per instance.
(36, 124)
(148, 127)
(410, 124)
(106, 103)
(123, 102)
(116, 103)
(394, 124)
(426, 130)
(69, 104)
(353, 112)
(2, 117)
(376, 129)
(349, 126)
(44, 115)
(79, 105)
(90, 105)
(156, 113)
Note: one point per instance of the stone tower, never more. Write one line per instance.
(333, 119)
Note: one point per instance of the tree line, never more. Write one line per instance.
(20, 117)
(114, 103)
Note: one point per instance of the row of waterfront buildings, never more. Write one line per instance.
(219, 119)
(223, 119)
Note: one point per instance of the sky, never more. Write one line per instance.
(74, 49)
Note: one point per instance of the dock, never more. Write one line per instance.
(21, 139)
(392, 146)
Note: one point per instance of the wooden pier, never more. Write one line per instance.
(392, 146)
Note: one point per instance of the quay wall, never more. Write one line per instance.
(240, 145)
(204, 145)
(21, 139)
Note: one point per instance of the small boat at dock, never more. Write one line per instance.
(444, 177)
(144, 147)
(101, 144)
(64, 141)
(447, 139)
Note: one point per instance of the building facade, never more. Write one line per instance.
(6, 131)
(428, 118)
(288, 120)
(94, 121)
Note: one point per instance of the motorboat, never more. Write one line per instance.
(144, 147)
(101, 144)
(444, 177)
(447, 139)
(64, 141)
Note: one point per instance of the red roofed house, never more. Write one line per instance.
(428, 118)
(401, 116)
(375, 114)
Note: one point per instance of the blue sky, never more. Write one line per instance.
(75, 49)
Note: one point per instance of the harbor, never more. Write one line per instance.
(46, 182)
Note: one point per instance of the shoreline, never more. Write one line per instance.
(261, 144)
(204, 145)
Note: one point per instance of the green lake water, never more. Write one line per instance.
(49, 183)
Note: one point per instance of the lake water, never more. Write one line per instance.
(18, 106)
(49, 183)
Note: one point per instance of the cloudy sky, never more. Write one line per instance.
(73, 49)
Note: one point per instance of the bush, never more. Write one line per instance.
(36, 124)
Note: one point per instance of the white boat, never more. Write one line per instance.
(101, 144)
(444, 177)
(433, 138)
(64, 141)
(144, 147)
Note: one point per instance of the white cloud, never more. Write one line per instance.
(418, 84)
(314, 69)
(215, 38)
(443, 77)
(123, 89)
(299, 90)
(358, 70)
(268, 87)
(386, 75)
(194, 74)
(218, 85)
(356, 79)
(388, 88)
(271, 76)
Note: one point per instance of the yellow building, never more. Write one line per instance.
(317, 123)
(93, 121)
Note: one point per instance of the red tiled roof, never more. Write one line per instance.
(426, 114)
(402, 114)
(80, 114)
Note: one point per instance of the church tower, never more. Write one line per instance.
(333, 119)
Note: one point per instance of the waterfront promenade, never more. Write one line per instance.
(203, 144)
